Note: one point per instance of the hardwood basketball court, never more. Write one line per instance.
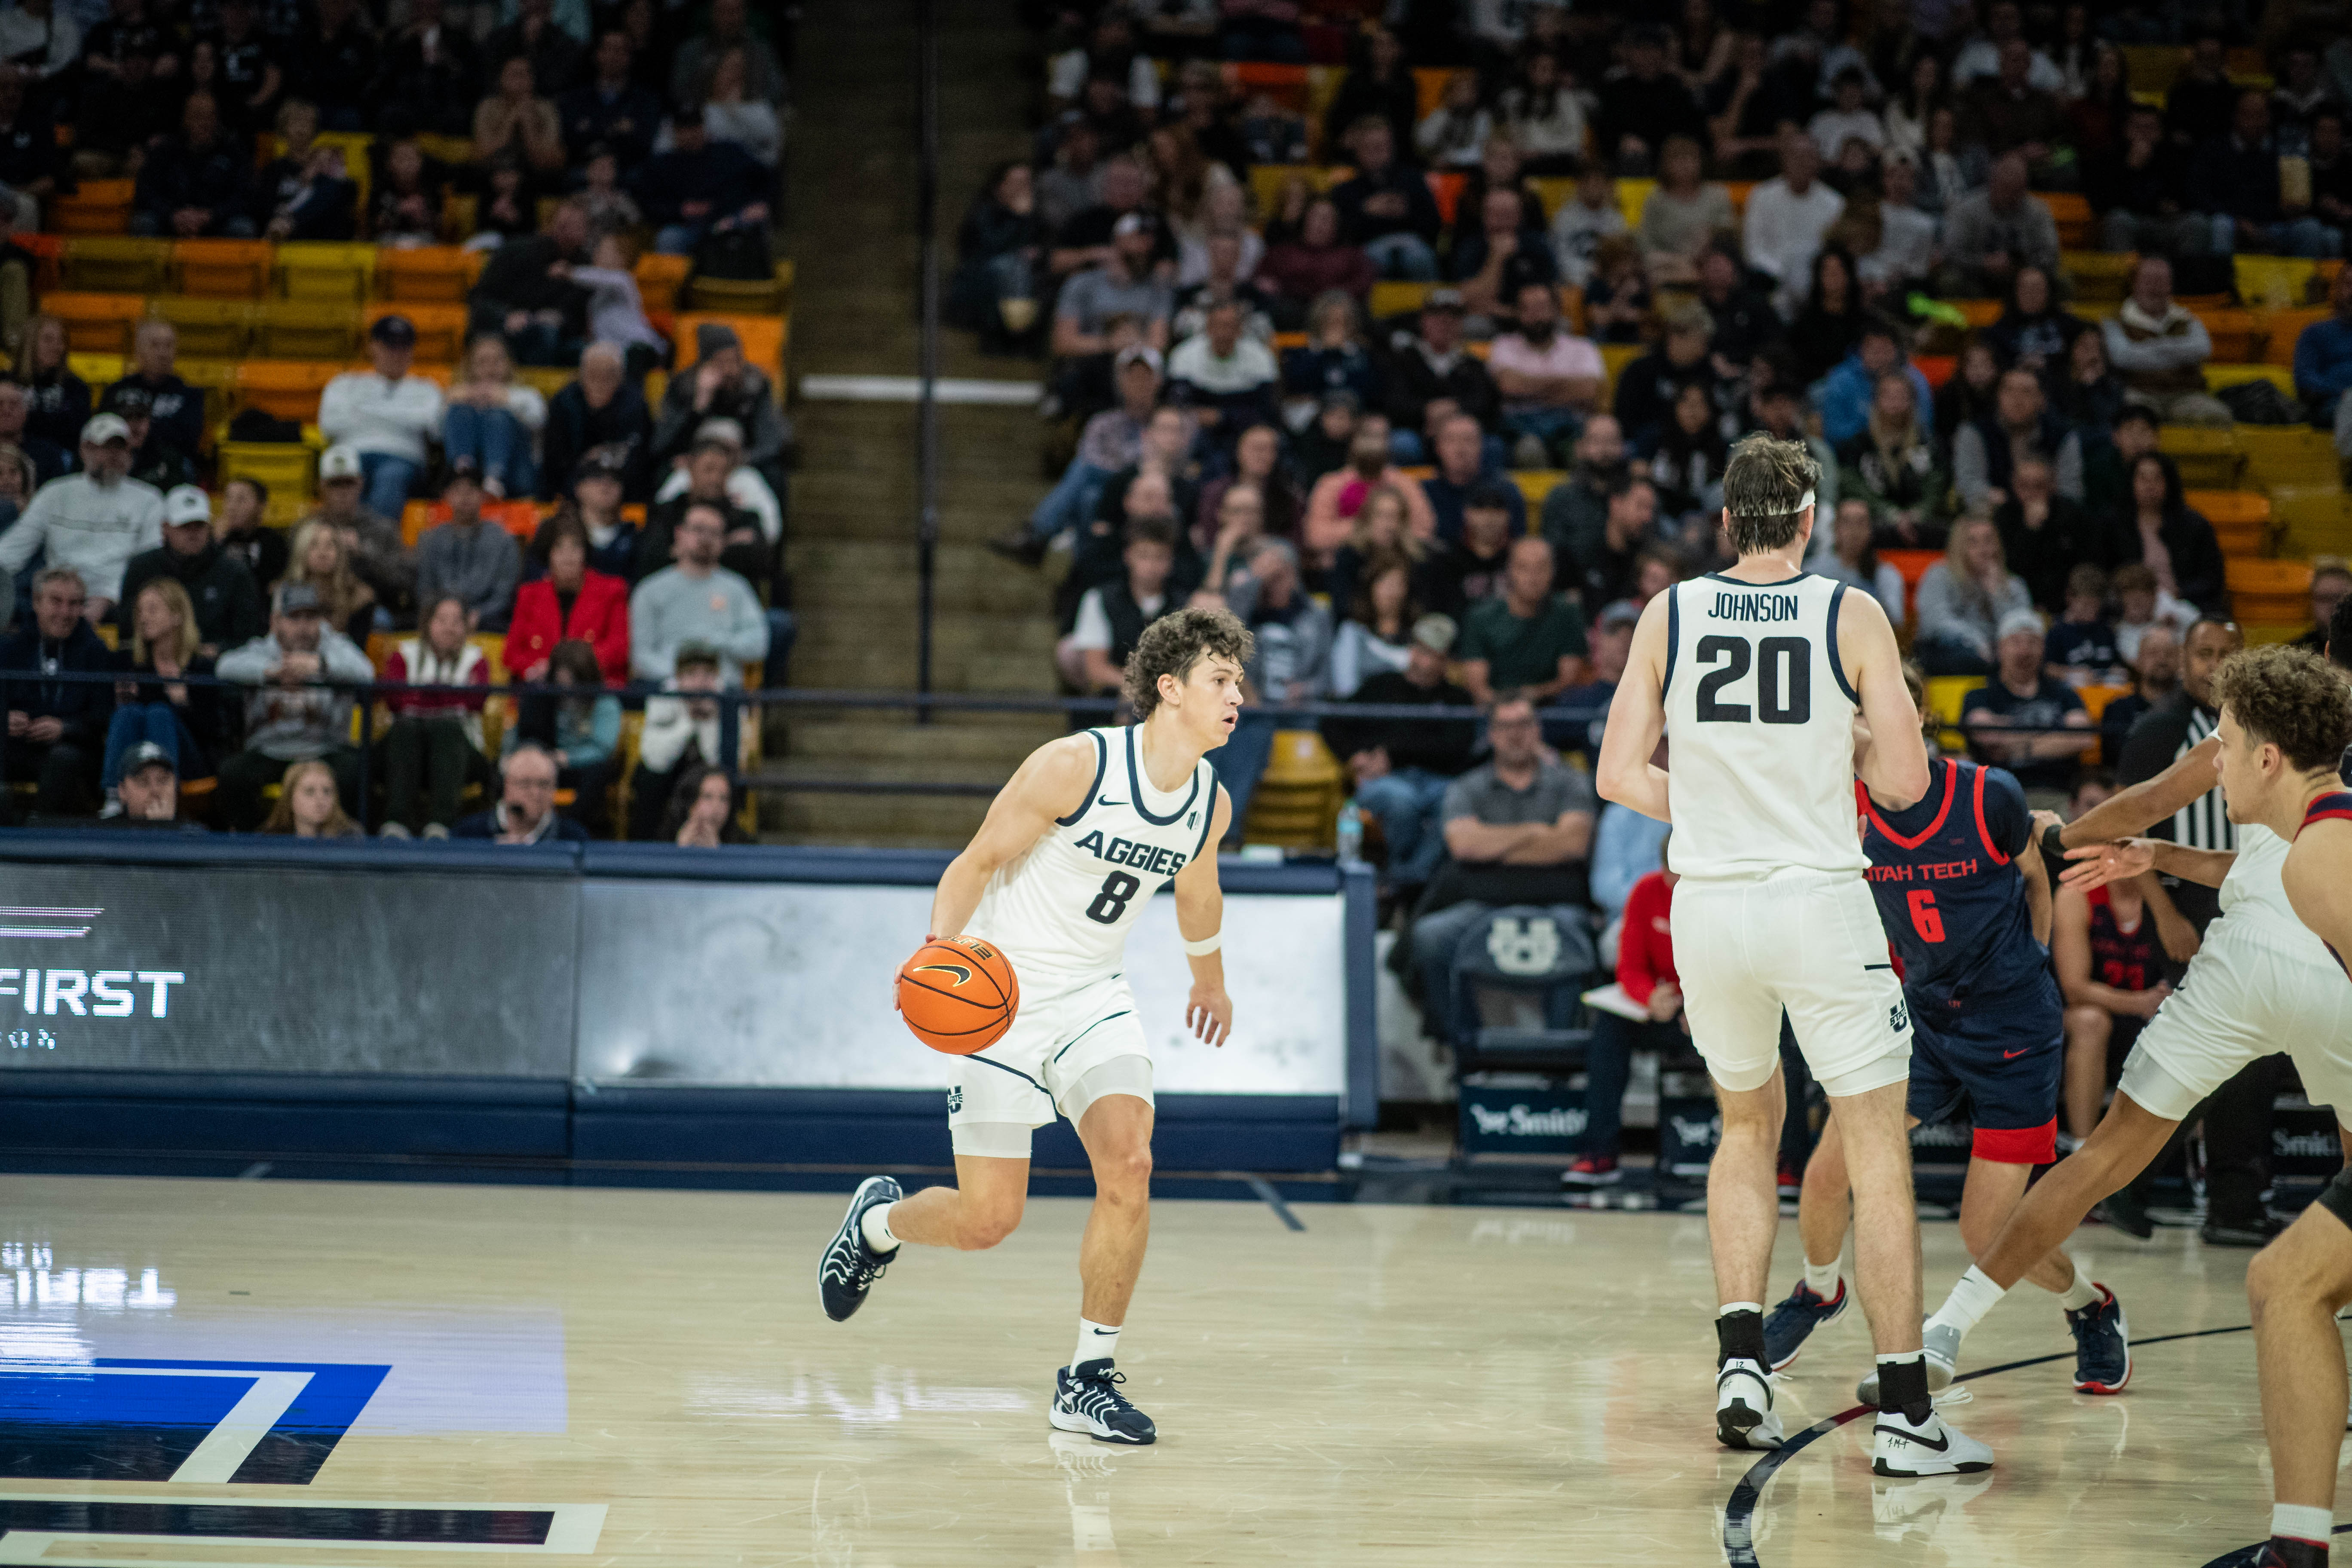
(603, 1376)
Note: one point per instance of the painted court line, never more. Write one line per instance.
(1265, 1189)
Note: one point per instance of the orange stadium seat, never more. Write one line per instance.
(96, 323)
(99, 206)
(224, 268)
(288, 389)
(425, 273)
(763, 339)
(440, 329)
(660, 278)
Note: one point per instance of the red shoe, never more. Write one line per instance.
(1592, 1171)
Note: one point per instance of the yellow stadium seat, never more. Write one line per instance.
(2098, 275)
(214, 329)
(106, 264)
(1945, 695)
(288, 468)
(453, 150)
(763, 339)
(2264, 635)
(2208, 458)
(547, 379)
(2288, 455)
(216, 378)
(1552, 191)
(223, 269)
(98, 370)
(288, 389)
(423, 274)
(2278, 282)
(96, 323)
(1631, 195)
(1534, 484)
(2218, 376)
(1396, 299)
(440, 329)
(306, 329)
(660, 278)
(99, 206)
(1617, 356)
(736, 297)
(309, 269)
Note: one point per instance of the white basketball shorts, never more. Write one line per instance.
(2244, 997)
(1806, 941)
(1034, 1071)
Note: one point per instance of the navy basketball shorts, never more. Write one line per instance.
(2000, 1068)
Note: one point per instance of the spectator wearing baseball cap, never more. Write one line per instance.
(93, 522)
(152, 460)
(373, 546)
(745, 485)
(226, 603)
(710, 479)
(177, 408)
(2023, 696)
(150, 792)
(601, 410)
(722, 384)
(475, 562)
(1433, 375)
(57, 729)
(1123, 285)
(598, 483)
(1401, 766)
(385, 415)
(1111, 443)
(288, 717)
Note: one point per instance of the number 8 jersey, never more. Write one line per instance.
(1062, 911)
(1759, 730)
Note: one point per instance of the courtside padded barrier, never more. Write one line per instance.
(339, 1000)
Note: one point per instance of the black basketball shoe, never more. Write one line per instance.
(850, 1266)
(1086, 1399)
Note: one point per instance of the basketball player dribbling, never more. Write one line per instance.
(1754, 676)
(2285, 719)
(1074, 847)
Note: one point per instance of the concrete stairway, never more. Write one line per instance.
(855, 498)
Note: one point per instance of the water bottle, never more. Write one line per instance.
(1351, 834)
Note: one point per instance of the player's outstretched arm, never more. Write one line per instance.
(1199, 916)
(1895, 763)
(2037, 890)
(1051, 783)
(1637, 722)
(2318, 879)
(2142, 806)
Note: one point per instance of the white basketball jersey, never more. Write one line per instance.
(1759, 730)
(1062, 911)
(2254, 895)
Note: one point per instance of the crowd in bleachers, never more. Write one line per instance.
(543, 231)
(1418, 336)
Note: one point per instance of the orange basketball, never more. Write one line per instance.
(958, 995)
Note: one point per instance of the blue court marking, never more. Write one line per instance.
(1740, 1513)
(68, 1423)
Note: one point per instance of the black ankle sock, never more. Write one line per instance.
(2285, 1552)
(1739, 1336)
(1903, 1387)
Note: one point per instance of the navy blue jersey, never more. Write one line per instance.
(1953, 905)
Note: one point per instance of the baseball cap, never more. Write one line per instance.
(395, 331)
(105, 427)
(715, 338)
(148, 754)
(601, 463)
(130, 400)
(720, 429)
(2020, 621)
(464, 469)
(298, 599)
(187, 503)
(1491, 495)
(1619, 612)
(339, 463)
(1142, 351)
(1135, 223)
(1435, 633)
(1443, 299)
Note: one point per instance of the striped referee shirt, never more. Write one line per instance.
(2160, 738)
(2203, 823)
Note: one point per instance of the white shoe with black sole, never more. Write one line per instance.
(1744, 1418)
(1940, 1345)
(1902, 1450)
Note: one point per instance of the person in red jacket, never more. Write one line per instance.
(1645, 973)
(571, 603)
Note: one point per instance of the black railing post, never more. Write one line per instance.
(926, 413)
(366, 700)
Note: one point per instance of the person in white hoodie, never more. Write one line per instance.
(385, 415)
(93, 522)
(681, 733)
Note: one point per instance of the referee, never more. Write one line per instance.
(2238, 1117)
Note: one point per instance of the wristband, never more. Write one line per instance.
(2053, 850)
(1205, 946)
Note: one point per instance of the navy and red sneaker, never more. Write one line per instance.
(1792, 1180)
(2285, 1551)
(1592, 1171)
(1793, 1319)
(2103, 1362)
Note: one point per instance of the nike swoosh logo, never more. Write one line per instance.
(1106, 800)
(1941, 1444)
(2006, 1056)
(958, 970)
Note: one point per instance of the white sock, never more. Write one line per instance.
(1821, 1279)
(1096, 1342)
(1970, 1299)
(876, 1228)
(2299, 1523)
(2080, 1294)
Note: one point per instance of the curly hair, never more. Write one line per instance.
(2288, 698)
(1765, 486)
(1174, 643)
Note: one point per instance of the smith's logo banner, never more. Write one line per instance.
(1524, 1121)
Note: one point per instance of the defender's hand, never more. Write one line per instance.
(1210, 1015)
(2097, 865)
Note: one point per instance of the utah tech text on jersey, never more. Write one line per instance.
(1144, 857)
